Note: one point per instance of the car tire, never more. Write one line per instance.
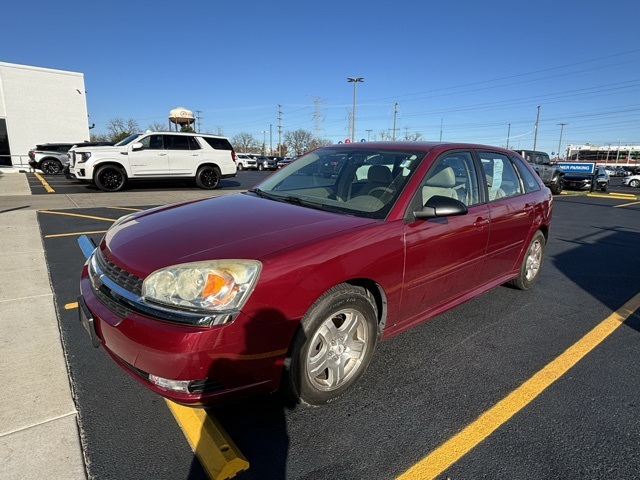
(261, 167)
(208, 177)
(531, 263)
(51, 166)
(634, 183)
(557, 186)
(240, 167)
(604, 188)
(110, 178)
(333, 346)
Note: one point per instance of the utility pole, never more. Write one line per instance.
(441, 121)
(560, 142)
(535, 135)
(508, 135)
(395, 117)
(369, 134)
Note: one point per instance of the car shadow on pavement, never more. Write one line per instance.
(256, 424)
(604, 263)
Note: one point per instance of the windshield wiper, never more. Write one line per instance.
(288, 199)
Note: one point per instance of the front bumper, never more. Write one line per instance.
(226, 361)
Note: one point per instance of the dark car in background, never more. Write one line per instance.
(582, 181)
(291, 285)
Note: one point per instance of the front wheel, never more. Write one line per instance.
(51, 166)
(634, 183)
(333, 347)
(556, 187)
(531, 263)
(604, 187)
(240, 167)
(110, 178)
(208, 177)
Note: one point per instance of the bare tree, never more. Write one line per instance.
(298, 142)
(158, 127)
(245, 143)
(119, 128)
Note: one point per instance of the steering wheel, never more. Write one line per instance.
(384, 191)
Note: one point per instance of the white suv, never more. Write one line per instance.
(151, 155)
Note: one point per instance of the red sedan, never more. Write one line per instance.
(291, 284)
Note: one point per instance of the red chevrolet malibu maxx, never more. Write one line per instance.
(291, 284)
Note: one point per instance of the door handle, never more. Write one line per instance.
(481, 222)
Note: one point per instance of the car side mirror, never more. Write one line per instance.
(439, 206)
(137, 146)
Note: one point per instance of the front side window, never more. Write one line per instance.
(500, 174)
(152, 142)
(454, 176)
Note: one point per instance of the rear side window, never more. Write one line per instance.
(528, 178)
(500, 173)
(179, 142)
(218, 143)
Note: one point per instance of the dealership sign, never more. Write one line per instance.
(578, 167)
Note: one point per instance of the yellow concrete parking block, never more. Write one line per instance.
(217, 453)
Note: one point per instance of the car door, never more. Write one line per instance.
(185, 155)
(512, 213)
(444, 256)
(152, 159)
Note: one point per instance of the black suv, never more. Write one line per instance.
(49, 157)
(551, 175)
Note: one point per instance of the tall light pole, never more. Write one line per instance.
(355, 81)
(560, 142)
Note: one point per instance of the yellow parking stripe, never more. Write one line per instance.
(44, 183)
(456, 447)
(129, 209)
(71, 306)
(73, 234)
(51, 212)
(218, 454)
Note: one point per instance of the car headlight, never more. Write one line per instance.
(84, 156)
(210, 286)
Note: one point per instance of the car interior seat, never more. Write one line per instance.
(378, 176)
(442, 183)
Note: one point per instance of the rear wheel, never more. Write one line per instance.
(333, 347)
(531, 263)
(51, 166)
(208, 177)
(110, 178)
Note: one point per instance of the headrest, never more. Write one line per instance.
(379, 174)
(444, 177)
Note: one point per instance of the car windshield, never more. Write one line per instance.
(364, 182)
(128, 140)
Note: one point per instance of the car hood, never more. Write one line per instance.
(231, 226)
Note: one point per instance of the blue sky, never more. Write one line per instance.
(458, 70)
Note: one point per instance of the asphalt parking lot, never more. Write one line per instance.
(415, 413)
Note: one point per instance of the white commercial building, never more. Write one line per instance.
(39, 105)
